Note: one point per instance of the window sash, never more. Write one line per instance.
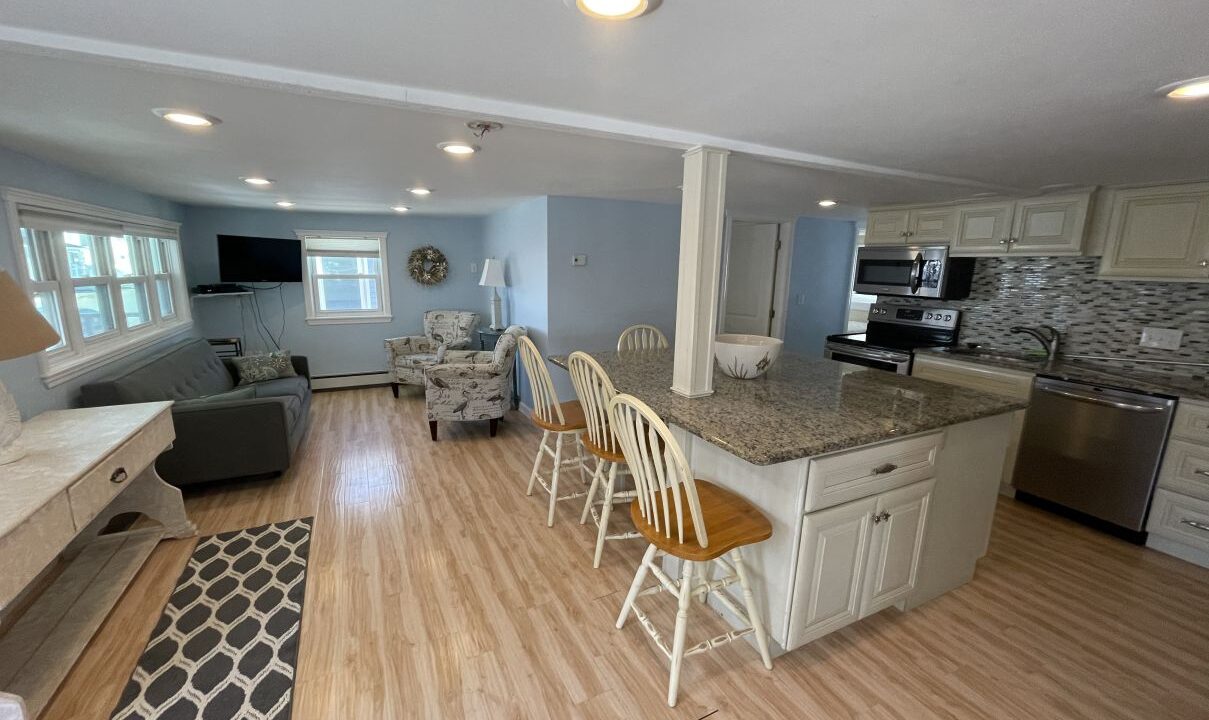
(316, 246)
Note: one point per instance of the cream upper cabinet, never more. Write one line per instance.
(983, 229)
(1159, 233)
(911, 226)
(1051, 225)
(887, 227)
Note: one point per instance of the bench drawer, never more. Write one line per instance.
(860, 473)
(1180, 518)
(1191, 422)
(91, 493)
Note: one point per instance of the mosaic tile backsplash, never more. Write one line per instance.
(1097, 316)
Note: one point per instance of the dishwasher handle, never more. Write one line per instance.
(1132, 407)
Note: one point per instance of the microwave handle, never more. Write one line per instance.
(917, 273)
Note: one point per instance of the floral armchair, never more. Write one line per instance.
(444, 330)
(473, 385)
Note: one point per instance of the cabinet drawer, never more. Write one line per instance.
(33, 544)
(1191, 422)
(998, 381)
(868, 471)
(1186, 468)
(91, 493)
(1180, 518)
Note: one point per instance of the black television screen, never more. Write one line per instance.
(256, 259)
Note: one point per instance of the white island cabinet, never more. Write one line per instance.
(881, 488)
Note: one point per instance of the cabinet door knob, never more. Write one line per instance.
(1204, 263)
(1004, 241)
(881, 517)
(118, 476)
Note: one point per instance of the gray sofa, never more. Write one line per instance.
(222, 430)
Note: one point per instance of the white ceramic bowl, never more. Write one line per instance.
(746, 356)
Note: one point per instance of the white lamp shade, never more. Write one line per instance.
(493, 273)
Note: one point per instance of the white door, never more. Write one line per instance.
(751, 269)
(932, 226)
(983, 229)
(1159, 232)
(1050, 225)
(831, 568)
(887, 227)
(898, 535)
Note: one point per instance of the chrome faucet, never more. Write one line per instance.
(1047, 335)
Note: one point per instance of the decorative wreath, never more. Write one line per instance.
(427, 265)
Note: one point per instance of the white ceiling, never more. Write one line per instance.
(340, 155)
(1011, 94)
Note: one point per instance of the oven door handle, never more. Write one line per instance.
(1101, 401)
(917, 273)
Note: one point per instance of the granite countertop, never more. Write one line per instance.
(802, 407)
(1086, 371)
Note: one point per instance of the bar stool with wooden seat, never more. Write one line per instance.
(717, 525)
(595, 390)
(554, 418)
(641, 337)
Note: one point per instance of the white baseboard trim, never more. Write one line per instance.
(336, 382)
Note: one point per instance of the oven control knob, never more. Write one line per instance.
(928, 316)
(948, 317)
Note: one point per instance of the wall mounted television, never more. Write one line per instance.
(243, 259)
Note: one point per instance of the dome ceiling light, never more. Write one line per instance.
(613, 9)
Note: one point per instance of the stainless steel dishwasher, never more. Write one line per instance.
(1094, 450)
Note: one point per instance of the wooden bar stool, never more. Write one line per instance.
(554, 418)
(595, 390)
(666, 490)
(641, 337)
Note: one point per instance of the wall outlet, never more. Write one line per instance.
(1161, 338)
(579, 260)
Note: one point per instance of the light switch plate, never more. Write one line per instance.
(579, 260)
(1161, 338)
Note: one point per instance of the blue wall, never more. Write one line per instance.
(820, 281)
(346, 348)
(27, 173)
(518, 236)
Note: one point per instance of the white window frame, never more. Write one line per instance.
(77, 356)
(311, 289)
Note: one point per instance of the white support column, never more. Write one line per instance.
(702, 222)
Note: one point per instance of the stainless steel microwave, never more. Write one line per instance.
(912, 271)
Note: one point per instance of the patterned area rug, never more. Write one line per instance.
(226, 646)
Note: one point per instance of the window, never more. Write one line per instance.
(108, 282)
(346, 278)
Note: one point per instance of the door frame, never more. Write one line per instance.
(780, 287)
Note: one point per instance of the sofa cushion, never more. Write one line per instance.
(281, 387)
(189, 370)
(240, 393)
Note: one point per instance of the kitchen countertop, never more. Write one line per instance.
(1087, 371)
(801, 408)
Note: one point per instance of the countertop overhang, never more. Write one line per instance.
(802, 407)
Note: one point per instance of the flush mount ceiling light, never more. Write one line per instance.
(613, 9)
(1186, 89)
(257, 181)
(827, 203)
(285, 204)
(188, 118)
(400, 208)
(420, 191)
(460, 149)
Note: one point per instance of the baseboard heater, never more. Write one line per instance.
(349, 380)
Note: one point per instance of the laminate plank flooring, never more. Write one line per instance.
(436, 591)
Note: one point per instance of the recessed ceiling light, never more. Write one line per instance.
(1186, 89)
(613, 9)
(827, 203)
(459, 148)
(285, 204)
(257, 181)
(188, 118)
(400, 208)
(421, 191)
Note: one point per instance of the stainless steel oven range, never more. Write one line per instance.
(893, 334)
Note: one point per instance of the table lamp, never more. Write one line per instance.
(22, 332)
(493, 277)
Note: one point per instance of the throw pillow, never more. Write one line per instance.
(264, 366)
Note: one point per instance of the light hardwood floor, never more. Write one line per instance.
(436, 591)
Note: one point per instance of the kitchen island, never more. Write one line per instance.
(881, 488)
